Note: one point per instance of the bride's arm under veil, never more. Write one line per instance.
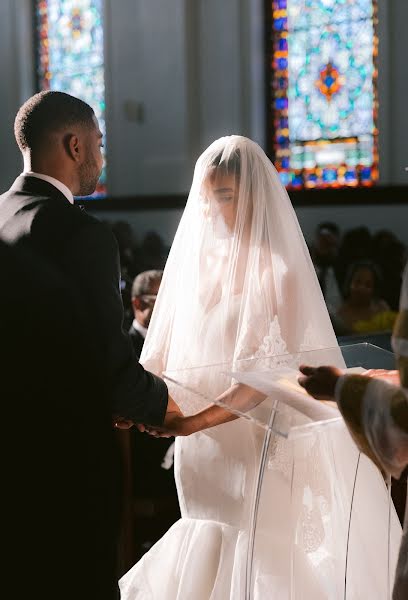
(253, 342)
(239, 398)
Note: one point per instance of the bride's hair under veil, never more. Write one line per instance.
(239, 258)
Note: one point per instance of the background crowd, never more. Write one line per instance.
(359, 273)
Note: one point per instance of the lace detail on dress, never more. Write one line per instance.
(280, 457)
(272, 344)
(313, 491)
(302, 463)
(312, 529)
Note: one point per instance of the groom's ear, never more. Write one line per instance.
(73, 146)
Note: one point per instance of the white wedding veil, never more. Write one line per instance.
(239, 284)
(238, 251)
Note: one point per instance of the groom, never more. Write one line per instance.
(60, 141)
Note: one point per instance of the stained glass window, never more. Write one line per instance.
(70, 54)
(324, 92)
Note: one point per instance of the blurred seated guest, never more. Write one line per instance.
(128, 266)
(356, 245)
(144, 293)
(364, 310)
(127, 247)
(390, 255)
(324, 253)
(153, 252)
(154, 489)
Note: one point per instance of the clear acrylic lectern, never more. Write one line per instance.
(321, 523)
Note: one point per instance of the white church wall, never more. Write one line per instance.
(181, 73)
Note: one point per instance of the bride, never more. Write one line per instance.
(239, 283)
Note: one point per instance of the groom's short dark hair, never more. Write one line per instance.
(48, 112)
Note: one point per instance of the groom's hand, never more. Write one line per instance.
(173, 424)
(173, 412)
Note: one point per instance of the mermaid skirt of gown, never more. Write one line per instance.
(301, 533)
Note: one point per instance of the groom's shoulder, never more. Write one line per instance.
(72, 221)
(50, 220)
(60, 215)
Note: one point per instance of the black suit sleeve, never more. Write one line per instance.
(93, 259)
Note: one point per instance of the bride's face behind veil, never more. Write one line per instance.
(223, 201)
(226, 208)
(220, 198)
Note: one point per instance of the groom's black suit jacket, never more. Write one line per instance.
(65, 367)
(36, 215)
(58, 458)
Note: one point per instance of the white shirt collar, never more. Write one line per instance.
(55, 182)
(142, 330)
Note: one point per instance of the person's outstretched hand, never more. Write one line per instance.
(319, 382)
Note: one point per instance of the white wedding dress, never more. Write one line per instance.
(226, 297)
(204, 555)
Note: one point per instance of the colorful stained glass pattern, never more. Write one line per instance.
(324, 87)
(70, 54)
